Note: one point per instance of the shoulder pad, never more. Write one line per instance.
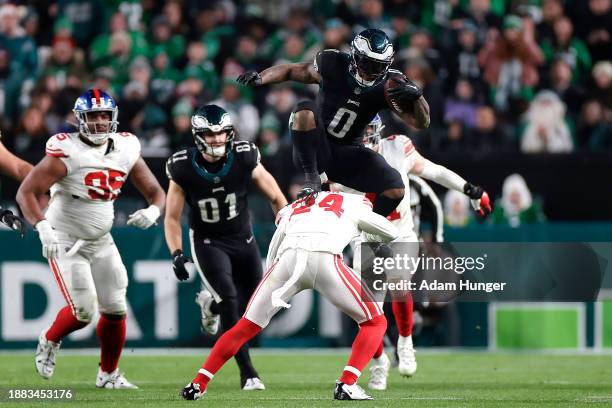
(59, 145)
(401, 142)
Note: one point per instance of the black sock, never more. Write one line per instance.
(385, 205)
(305, 145)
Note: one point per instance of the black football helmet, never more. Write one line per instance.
(371, 54)
(210, 119)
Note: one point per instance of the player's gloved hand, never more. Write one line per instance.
(479, 199)
(50, 244)
(252, 78)
(406, 92)
(13, 221)
(144, 218)
(179, 259)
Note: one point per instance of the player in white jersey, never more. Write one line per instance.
(85, 172)
(401, 154)
(306, 252)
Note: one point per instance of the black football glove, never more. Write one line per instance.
(179, 259)
(406, 92)
(13, 221)
(251, 78)
(479, 199)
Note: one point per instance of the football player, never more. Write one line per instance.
(306, 253)
(213, 178)
(401, 154)
(85, 171)
(327, 133)
(17, 169)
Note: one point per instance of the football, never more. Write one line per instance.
(392, 81)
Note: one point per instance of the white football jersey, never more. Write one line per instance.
(329, 224)
(397, 151)
(82, 201)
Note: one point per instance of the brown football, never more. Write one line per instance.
(393, 80)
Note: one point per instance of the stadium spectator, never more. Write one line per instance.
(564, 45)
(595, 126)
(87, 18)
(182, 137)
(602, 87)
(461, 107)
(560, 82)
(22, 59)
(162, 38)
(488, 135)
(66, 63)
(32, 133)
(105, 48)
(510, 61)
(552, 10)
(164, 80)
(516, 206)
(479, 13)
(244, 115)
(457, 211)
(546, 128)
(595, 28)
(463, 61)
(298, 24)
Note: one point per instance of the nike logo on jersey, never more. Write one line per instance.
(353, 102)
(214, 190)
(249, 240)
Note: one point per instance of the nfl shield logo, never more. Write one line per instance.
(217, 180)
(357, 91)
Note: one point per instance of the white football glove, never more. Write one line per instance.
(50, 244)
(144, 218)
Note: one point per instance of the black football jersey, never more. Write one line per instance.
(217, 200)
(344, 106)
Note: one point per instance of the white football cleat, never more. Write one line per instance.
(379, 371)
(350, 392)
(115, 380)
(46, 351)
(407, 356)
(253, 384)
(210, 321)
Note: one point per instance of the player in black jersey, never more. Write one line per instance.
(326, 134)
(212, 178)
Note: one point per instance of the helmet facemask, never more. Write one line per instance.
(369, 67)
(371, 135)
(96, 131)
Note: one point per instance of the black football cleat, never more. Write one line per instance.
(192, 392)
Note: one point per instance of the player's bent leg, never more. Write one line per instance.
(258, 313)
(306, 139)
(342, 286)
(74, 280)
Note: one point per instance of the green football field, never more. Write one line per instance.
(306, 379)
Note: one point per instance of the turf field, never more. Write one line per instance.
(304, 379)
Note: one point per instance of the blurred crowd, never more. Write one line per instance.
(500, 75)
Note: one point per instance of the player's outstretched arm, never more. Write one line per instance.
(377, 227)
(144, 180)
(268, 186)
(451, 180)
(304, 72)
(12, 165)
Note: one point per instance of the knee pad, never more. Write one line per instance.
(83, 293)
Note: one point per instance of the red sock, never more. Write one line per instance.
(112, 338)
(402, 311)
(380, 350)
(64, 324)
(366, 343)
(225, 348)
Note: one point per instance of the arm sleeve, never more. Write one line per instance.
(431, 199)
(443, 176)
(377, 227)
